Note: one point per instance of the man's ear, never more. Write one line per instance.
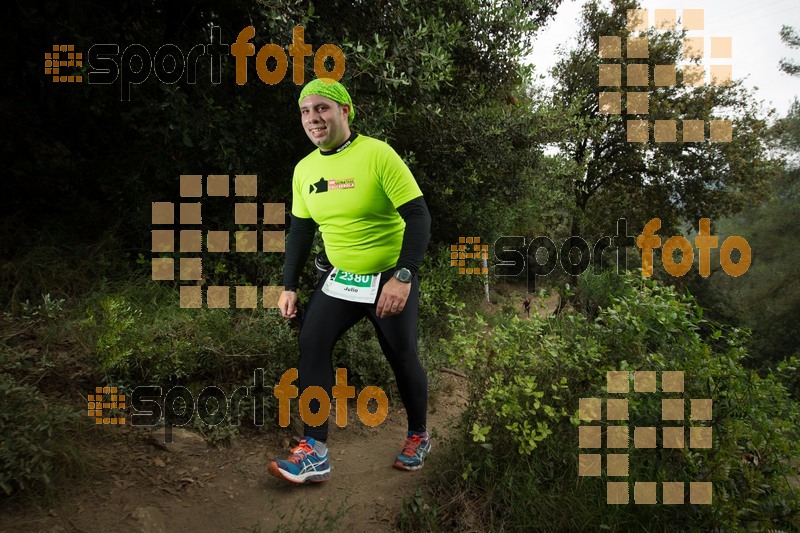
(346, 107)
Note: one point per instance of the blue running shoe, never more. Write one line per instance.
(304, 465)
(416, 448)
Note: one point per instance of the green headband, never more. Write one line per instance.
(329, 89)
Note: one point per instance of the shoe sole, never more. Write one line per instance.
(310, 477)
(401, 466)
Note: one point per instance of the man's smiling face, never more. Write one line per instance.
(325, 121)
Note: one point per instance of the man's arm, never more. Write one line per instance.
(298, 248)
(416, 235)
(415, 241)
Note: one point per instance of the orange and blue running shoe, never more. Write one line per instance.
(416, 448)
(304, 465)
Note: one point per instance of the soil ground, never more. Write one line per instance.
(139, 486)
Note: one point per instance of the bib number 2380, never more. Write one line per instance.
(362, 288)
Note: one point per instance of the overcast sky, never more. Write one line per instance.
(754, 27)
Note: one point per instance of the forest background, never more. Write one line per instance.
(497, 154)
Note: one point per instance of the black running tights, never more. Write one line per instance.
(327, 318)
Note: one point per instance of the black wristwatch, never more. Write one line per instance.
(403, 274)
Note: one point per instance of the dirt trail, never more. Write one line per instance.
(137, 486)
(140, 487)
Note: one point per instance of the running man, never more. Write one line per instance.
(375, 227)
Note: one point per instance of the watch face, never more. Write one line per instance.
(403, 275)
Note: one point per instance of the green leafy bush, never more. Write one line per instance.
(518, 465)
(596, 288)
(158, 342)
(36, 450)
(139, 335)
(442, 291)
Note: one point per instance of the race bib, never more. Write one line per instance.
(362, 288)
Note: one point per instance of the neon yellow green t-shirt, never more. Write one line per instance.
(353, 196)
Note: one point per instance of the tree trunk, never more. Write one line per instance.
(485, 264)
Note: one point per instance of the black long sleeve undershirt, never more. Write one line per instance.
(416, 235)
(415, 241)
(298, 247)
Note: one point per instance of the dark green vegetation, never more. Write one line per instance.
(516, 466)
(445, 84)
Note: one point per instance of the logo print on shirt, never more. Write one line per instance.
(320, 186)
(324, 185)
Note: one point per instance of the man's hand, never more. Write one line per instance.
(287, 303)
(393, 298)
